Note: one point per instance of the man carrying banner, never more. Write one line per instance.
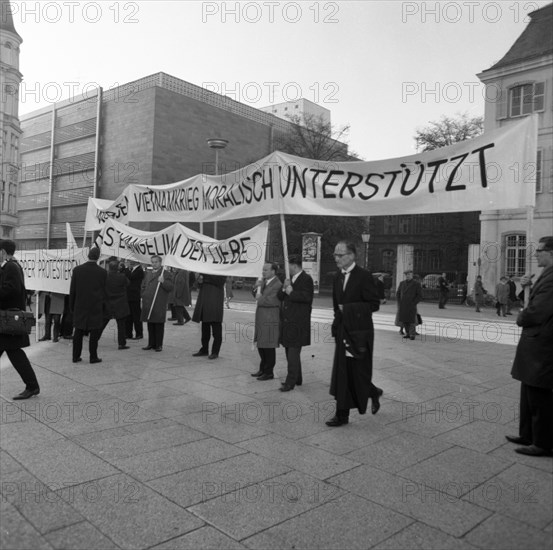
(156, 286)
(295, 323)
(533, 364)
(355, 298)
(87, 300)
(209, 311)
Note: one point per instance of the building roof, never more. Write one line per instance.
(535, 41)
(6, 18)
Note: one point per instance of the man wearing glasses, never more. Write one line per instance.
(533, 364)
(354, 297)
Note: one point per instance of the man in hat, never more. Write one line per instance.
(408, 295)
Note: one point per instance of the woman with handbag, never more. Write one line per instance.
(12, 295)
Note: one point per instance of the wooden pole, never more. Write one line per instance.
(284, 245)
(155, 296)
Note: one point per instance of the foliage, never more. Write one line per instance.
(448, 130)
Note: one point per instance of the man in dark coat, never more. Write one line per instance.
(354, 297)
(156, 287)
(181, 297)
(512, 300)
(533, 364)
(117, 305)
(408, 295)
(87, 296)
(135, 275)
(13, 295)
(209, 311)
(296, 296)
(443, 285)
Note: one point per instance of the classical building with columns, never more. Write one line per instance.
(519, 85)
(10, 130)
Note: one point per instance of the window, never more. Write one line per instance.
(388, 260)
(405, 225)
(515, 255)
(389, 225)
(527, 99)
(539, 163)
(434, 260)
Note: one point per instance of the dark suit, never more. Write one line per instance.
(351, 382)
(209, 310)
(295, 324)
(135, 277)
(533, 364)
(87, 297)
(12, 295)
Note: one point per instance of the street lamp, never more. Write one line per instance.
(366, 237)
(216, 143)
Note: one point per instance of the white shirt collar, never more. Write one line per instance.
(294, 277)
(349, 269)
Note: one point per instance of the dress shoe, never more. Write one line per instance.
(178, 324)
(78, 360)
(407, 336)
(532, 450)
(335, 421)
(56, 340)
(213, 356)
(25, 394)
(95, 360)
(159, 349)
(200, 353)
(266, 377)
(286, 387)
(44, 339)
(517, 440)
(257, 374)
(411, 337)
(147, 348)
(299, 382)
(136, 338)
(375, 404)
(172, 319)
(123, 347)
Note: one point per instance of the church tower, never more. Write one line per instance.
(10, 130)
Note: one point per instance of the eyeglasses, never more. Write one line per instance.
(341, 255)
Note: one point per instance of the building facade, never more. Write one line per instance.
(519, 85)
(299, 108)
(10, 130)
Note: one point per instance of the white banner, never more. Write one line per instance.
(50, 270)
(242, 255)
(493, 171)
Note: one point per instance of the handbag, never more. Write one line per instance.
(14, 322)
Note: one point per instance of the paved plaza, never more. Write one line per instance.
(165, 450)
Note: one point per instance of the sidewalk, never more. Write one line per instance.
(165, 450)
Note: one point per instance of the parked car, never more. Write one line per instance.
(238, 283)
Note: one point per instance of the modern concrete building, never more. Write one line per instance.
(301, 107)
(10, 130)
(518, 85)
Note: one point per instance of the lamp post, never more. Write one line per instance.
(366, 237)
(216, 143)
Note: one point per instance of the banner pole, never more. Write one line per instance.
(84, 239)
(531, 154)
(155, 296)
(284, 245)
(529, 249)
(37, 308)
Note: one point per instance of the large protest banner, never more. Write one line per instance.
(486, 173)
(242, 255)
(50, 270)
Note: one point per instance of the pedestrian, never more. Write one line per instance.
(533, 364)
(87, 302)
(296, 296)
(156, 287)
(464, 293)
(229, 294)
(181, 298)
(209, 311)
(117, 302)
(51, 305)
(502, 297)
(479, 292)
(379, 282)
(409, 294)
(512, 294)
(443, 285)
(267, 320)
(13, 296)
(135, 274)
(355, 298)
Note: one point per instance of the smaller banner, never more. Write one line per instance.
(242, 255)
(50, 270)
(311, 257)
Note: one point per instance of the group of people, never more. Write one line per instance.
(283, 318)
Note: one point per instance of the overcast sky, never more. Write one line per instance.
(385, 68)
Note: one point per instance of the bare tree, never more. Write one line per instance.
(447, 131)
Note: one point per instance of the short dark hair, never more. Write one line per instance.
(155, 256)
(547, 241)
(295, 259)
(8, 246)
(273, 265)
(113, 266)
(350, 246)
(94, 253)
